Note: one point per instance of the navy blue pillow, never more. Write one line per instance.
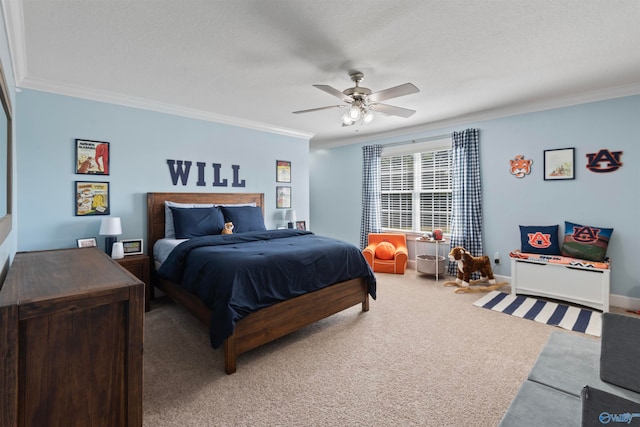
(540, 239)
(244, 218)
(195, 222)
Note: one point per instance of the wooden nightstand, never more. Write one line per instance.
(138, 265)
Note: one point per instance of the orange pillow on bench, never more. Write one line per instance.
(385, 250)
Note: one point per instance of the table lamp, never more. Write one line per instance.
(290, 217)
(110, 227)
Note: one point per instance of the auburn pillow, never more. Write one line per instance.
(539, 239)
(585, 241)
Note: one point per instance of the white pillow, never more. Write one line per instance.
(169, 230)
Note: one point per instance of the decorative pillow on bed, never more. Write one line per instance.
(195, 222)
(244, 218)
(385, 250)
(169, 229)
(539, 239)
(585, 241)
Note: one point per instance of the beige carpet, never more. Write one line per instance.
(421, 356)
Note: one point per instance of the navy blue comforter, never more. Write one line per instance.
(237, 274)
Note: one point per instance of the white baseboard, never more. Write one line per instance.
(629, 303)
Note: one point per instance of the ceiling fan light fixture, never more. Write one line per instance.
(347, 120)
(368, 116)
(354, 112)
(361, 101)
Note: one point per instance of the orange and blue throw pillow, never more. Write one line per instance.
(539, 239)
(585, 241)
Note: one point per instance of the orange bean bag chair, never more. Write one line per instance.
(387, 252)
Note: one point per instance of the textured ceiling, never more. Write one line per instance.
(253, 62)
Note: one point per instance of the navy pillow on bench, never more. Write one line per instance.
(539, 239)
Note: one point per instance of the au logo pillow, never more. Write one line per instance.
(539, 239)
(585, 241)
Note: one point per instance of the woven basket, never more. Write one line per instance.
(427, 264)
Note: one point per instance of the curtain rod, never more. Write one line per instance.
(415, 141)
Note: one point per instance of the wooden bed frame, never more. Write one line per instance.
(268, 323)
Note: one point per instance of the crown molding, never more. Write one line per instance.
(14, 25)
(145, 104)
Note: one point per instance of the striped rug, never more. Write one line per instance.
(561, 315)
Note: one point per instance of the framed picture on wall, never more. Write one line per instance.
(92, 198)
(283, 197)
(283, 171)
(92, 157)
(559, 164)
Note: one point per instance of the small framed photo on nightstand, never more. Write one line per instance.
(132, 246)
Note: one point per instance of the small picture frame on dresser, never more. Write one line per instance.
(132, 247)
(89, 242)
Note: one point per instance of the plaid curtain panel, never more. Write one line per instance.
(466, 215)
(371, 198)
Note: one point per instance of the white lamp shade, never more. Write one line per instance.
(290, 216)
(110, 227)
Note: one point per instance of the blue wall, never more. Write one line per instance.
(140, 143)
(606, 200)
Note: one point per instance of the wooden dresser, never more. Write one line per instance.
(71, 339)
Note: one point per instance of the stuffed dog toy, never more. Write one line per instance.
(467, 264)
(228, 228)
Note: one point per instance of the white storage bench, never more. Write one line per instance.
(581, 282)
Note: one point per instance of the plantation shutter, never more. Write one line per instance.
(416, 188)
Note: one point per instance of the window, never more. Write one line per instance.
(415, 180)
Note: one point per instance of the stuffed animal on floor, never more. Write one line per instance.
(468, 264)
(228, 228)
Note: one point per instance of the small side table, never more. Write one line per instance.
(427, 266)
(138, 265)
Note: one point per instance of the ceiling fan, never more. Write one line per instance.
(361, 101)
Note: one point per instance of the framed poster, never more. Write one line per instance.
(283, 197)
(92, 157)
(559, 164)
(132, 246)
(92, 198)
(283, 171)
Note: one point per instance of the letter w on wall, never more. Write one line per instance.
(179, 169)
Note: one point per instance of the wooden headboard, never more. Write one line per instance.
(155, 208)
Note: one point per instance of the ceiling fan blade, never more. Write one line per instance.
(318, 109)
(394, 111)
(335, 92)
(394, 92)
